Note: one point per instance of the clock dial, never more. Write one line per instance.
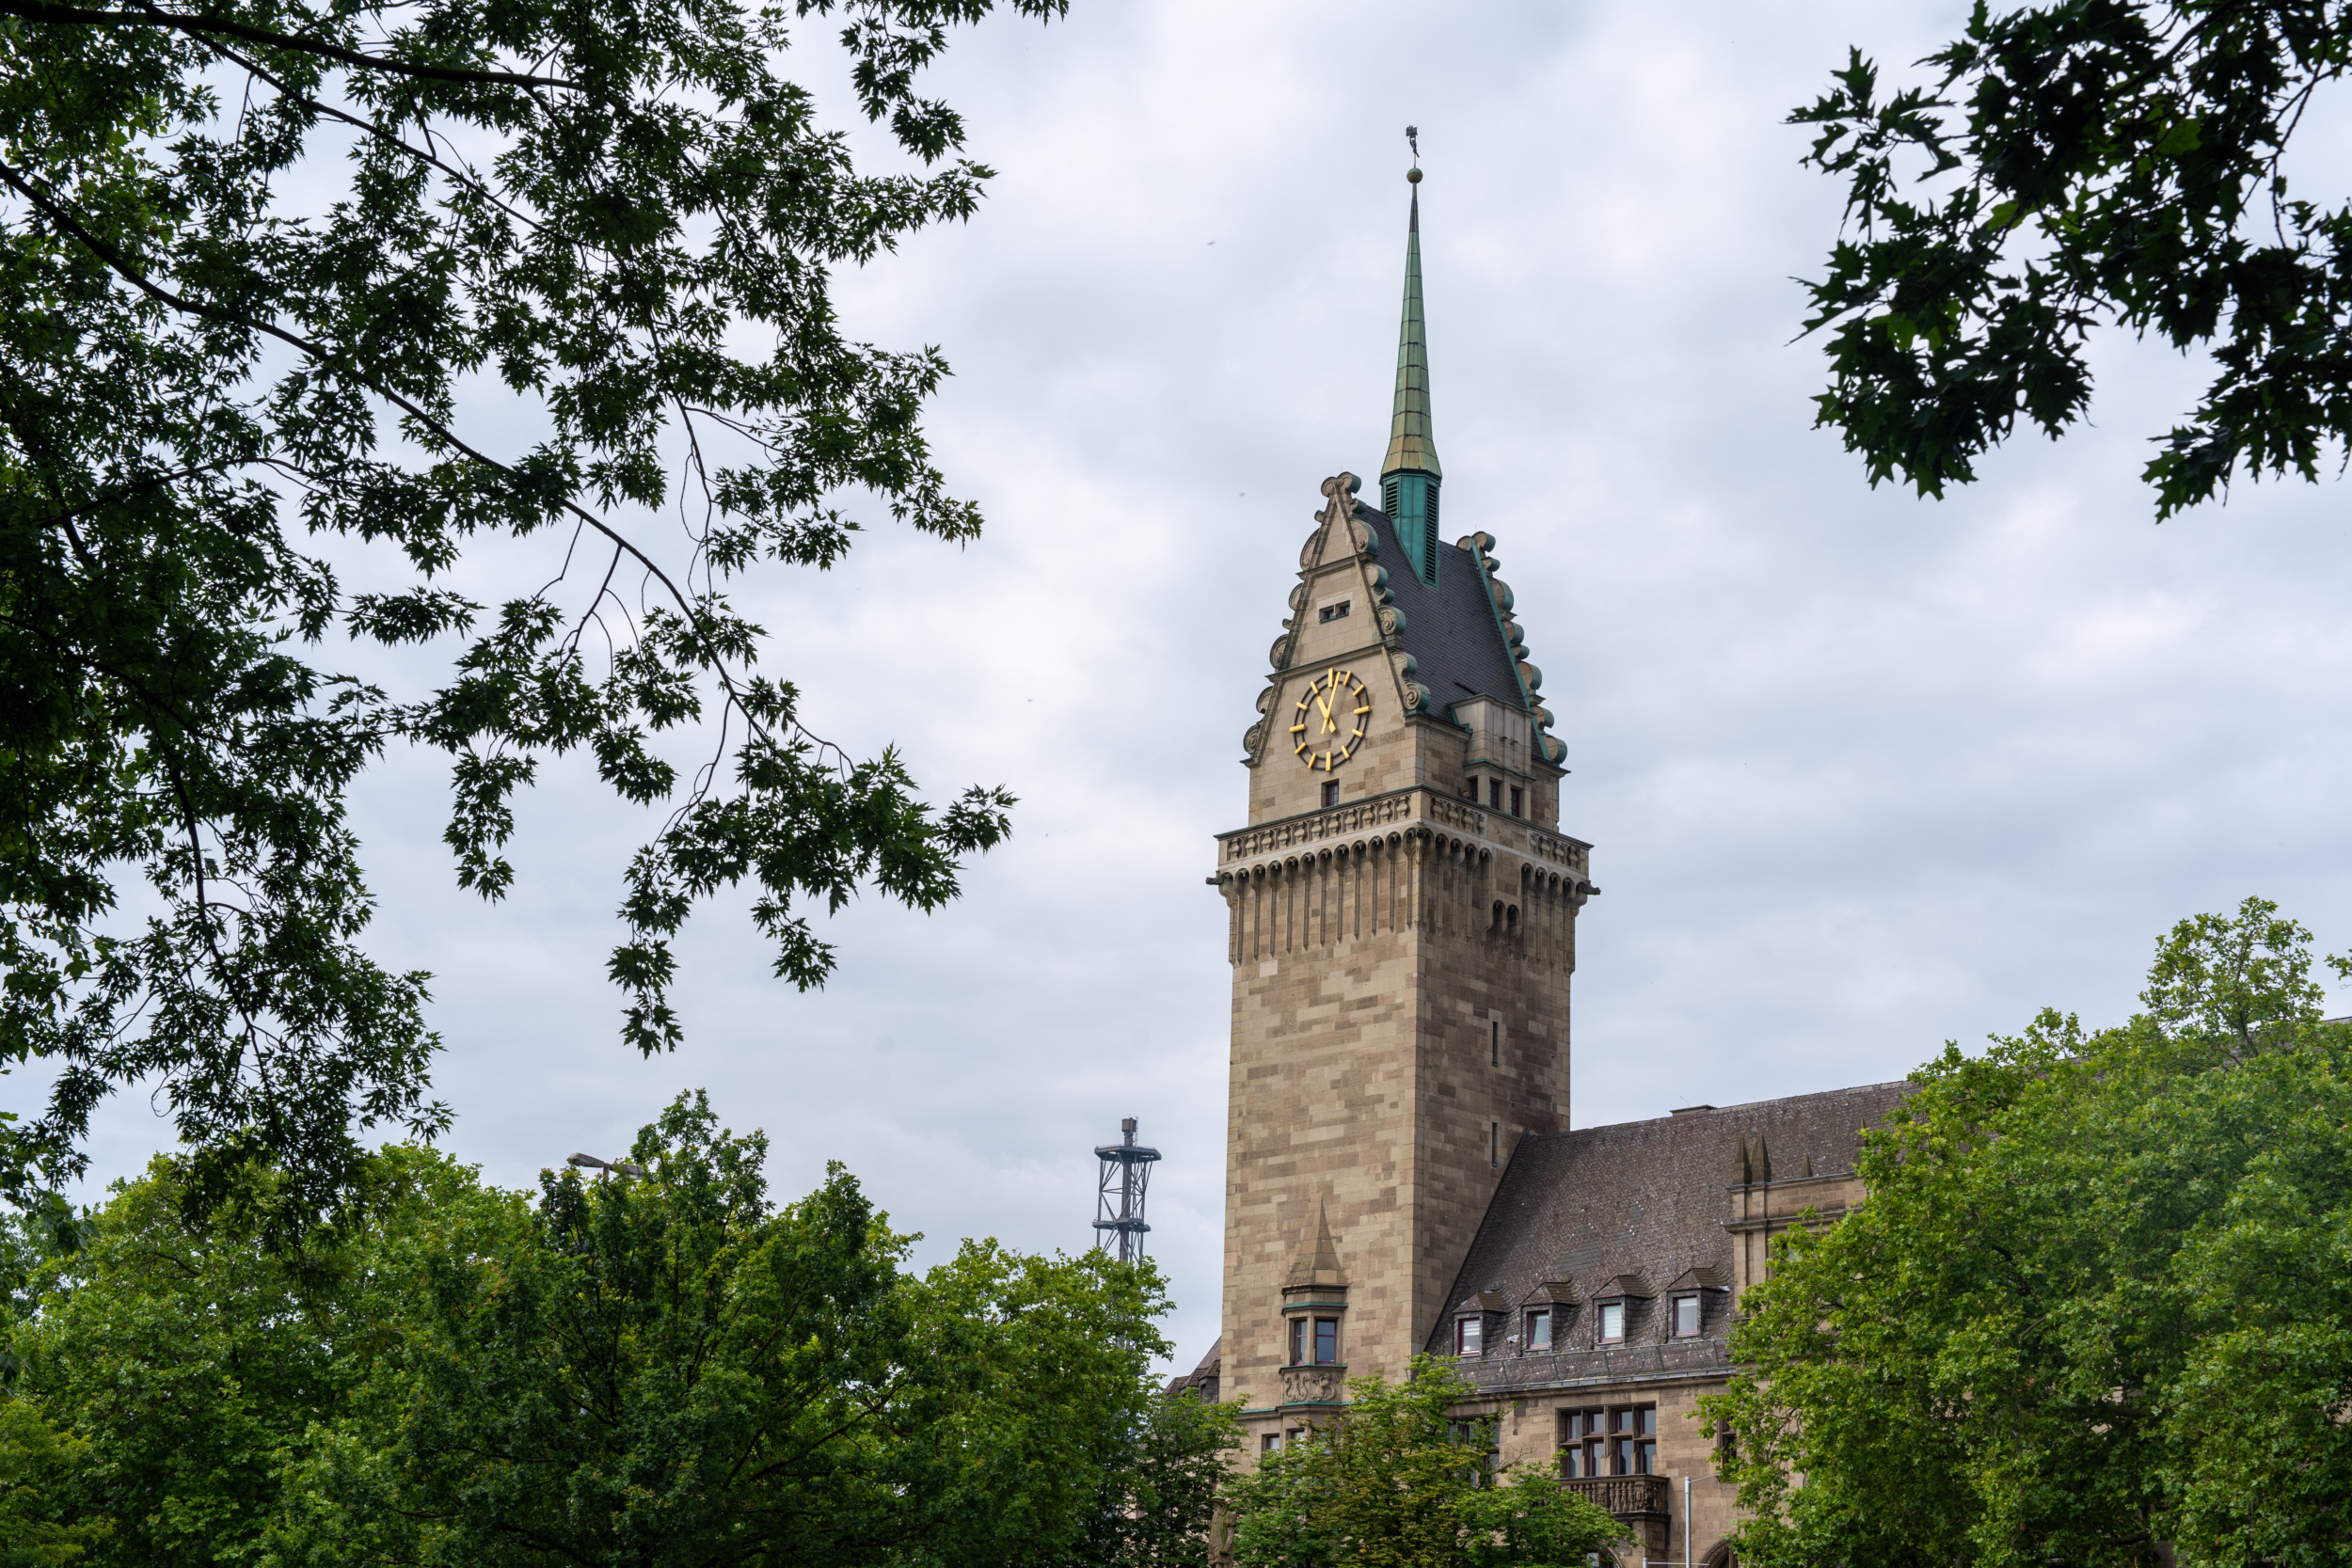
(1329, 723)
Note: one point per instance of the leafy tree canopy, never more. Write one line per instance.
(1160, 1497)
(667, 1370)
(1397, 1479)
(2098, 1298)
(2073, 165)
(300, 302)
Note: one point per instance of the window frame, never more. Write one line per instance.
(1326, 1329)
(1580, 1442)
(1519, 798)
(1603, 1314)
(1330, 793)
(1546, 1315)
(1632, 1440)
(1482, 1432)
(1470, 1334)
(1697, 1303)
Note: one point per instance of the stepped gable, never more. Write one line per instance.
(1584, 1207)
(1452, 630)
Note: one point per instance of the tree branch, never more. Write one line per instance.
(32, 10)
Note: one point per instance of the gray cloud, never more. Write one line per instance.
(1864, 773)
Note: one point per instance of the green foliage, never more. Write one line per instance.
(2077, 163)
(1396, 1480)
(2097, 1298)
(298, 301)
(33, 1460)
(192, 1364)
(667, 1370)
(1159, 1498)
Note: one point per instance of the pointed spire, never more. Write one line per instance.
(1318, 1258)
(1409, 477)
(1412, 445)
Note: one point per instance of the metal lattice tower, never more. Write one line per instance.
(1119, 1188)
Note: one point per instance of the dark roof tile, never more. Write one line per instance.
(1583, 1208)
(1451, 630)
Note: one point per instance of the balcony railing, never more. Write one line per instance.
(1626, 1496)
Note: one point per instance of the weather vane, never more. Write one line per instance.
(1412, 137)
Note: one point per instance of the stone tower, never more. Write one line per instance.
(1403, 928)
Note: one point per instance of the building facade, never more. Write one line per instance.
(1401, 1171)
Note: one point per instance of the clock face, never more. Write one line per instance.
(1329, 721)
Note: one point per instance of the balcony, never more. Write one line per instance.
(1629, 1497)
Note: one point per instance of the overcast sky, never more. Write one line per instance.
(1863, 773)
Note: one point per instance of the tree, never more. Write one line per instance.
(300, 302)
(1159, 1498)
(2096, 1299)
(2079, 164)
(34, 1458)
(1397, 1479)
(667, 1368)
(189, 1364)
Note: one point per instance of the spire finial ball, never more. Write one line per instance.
(1412, 177)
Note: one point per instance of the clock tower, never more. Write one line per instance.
(1402, 931)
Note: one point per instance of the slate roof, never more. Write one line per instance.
(1204, 1378)
(1451, 630)
(1646, 1198)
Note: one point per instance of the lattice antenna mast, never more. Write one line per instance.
(1119, 1189)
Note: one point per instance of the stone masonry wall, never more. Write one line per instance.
(1399, 1018)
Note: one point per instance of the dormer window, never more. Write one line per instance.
(1620, 1309)
(1539, 1328)
(1481, 1321)
(1335, 611)
(1686, 1302)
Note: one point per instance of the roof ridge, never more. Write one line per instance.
(1692, 1113)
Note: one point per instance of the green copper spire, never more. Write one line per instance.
(1409, 476)
(1413, 447)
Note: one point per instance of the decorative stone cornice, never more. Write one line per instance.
(1415, 803)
